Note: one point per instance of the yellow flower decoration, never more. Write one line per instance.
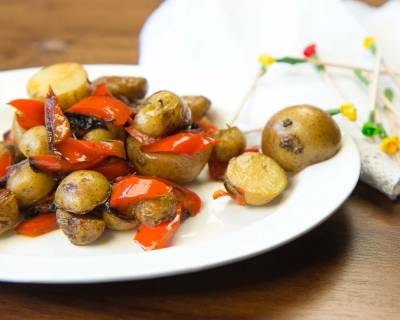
(266, 60)
(349, 111)
(368, 42)
(390, 145)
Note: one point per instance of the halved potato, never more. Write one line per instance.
(175, 167)
(131, 88)
(118, 222)
(34, 142)
(68, 80)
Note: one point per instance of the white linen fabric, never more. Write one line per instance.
(217, 43)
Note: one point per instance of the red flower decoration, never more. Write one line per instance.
(310, 50)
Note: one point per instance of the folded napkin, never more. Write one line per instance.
(211, 47)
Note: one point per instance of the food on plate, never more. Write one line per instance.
(99, 134)
(118, 222)
(16, 133)
(161, 114)
(299, 136)
(80, 229)
(199, 105)
(177, 167)
(231, 143)
(34, 142)
(253, 178)
(82, 191)
(68, 80)
(132, 88)
(7, 157)
(9, 212)
(28, 186)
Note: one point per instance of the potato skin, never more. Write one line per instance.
(175, 167)
(162, 114)
(152, 212)
(231, 143)
(98, 134)
(118, 222)
(199, 105)
(34, 142)
(299, 136)
(131, 88)
(80, 229)
(9, 212)
(27, 185)
(81, 191)
(258, 176)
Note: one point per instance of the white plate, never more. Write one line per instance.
(220, 234)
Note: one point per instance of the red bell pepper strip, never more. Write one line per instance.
(182, 143)
(31, 112)
(190, 201)
(103, 107)
(5, 162)
(75, 151)
(206, 125)
(114, 168)
(135, 188)
(252, 149)
(57, 124)
(102, 90)
(160, 236)
(238, 197)
(143, 139)
(216, 169)
(56, 165)
(36, 226)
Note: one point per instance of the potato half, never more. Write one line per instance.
(68, 80)
(34, 142)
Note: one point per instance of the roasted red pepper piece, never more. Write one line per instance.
(5, 162)
(143, 139)
(102, 90)
(57, 124)
(186, 143)
(56, 165)
(113, 168)
(238, 197)
(30, 112)
(216, 169)
(75, 151)
(134, 188)
(160, 236)
(36, 226)
(103, 107)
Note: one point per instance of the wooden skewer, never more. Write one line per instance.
(392, 76)
(375, 85)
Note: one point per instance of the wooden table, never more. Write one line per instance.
(347, 268)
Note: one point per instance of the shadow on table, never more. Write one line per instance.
(290, 276)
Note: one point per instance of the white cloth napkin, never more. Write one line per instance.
(211, 47)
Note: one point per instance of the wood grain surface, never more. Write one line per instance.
(347, 268)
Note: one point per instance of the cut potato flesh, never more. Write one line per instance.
(69, 82)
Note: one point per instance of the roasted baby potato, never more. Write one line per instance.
(299, 136)
(27, 185)
(175, 167)
(68, 80)
(131, 88)
(80, 229)
(98, 134)
(198, 105)
(163, 113)
(119, 222)
(152, 212)
(81, 191)
(231, 143)
(118, 132)
(257, 177)
(9, 213)
(34, 142)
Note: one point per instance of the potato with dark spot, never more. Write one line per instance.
(299, 136)
(152, 212)
(82, 191)
(257, 177)
(175, 167)
(199, 105)
(131, 88)
(117, 222)
(80, 229)
(162, 113)
(231, 143)
(27, 185)
(9, 213)
(34, 142)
